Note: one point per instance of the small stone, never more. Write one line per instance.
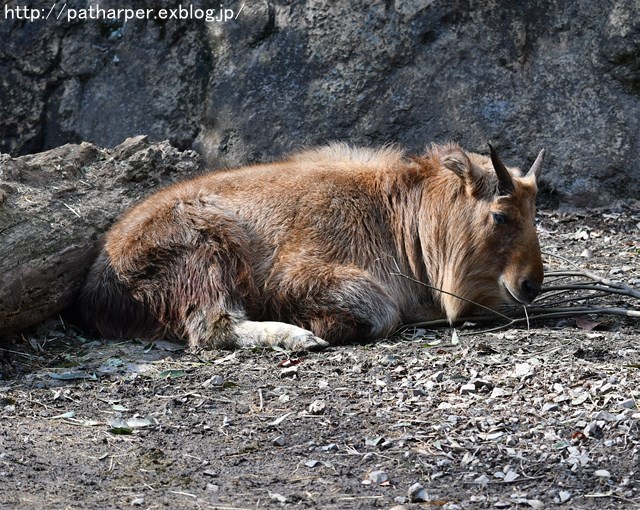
(417, 493)
(482, 480)
(605, 416)
(137, 502)
(216, 380)
(330, 448)
(289, 371)
(602, 473)
(629, 403)
(317, 407)
(374, 442)
(280, 441)
(580, 399)
(389, 360)
(606, 387)
(468, 388)
(378, 477)
(482, 385)
(278, 497)
(438, 376)
(523, 370)
(550, 407)
(510, 476)
(498, 392)
(564, 496)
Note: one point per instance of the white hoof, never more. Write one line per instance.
(268, 334)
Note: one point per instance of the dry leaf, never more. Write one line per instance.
(585, 324)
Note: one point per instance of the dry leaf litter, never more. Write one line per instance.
(545, 417)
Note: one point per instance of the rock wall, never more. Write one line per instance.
(98, 80)
(563, 74)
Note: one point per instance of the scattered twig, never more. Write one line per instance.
(398, 272)
(72, 210)
(602, 288)
(181, 493)
(592, 276)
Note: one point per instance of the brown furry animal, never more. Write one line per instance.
(315, 243)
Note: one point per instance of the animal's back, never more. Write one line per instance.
(316, 242)
(250, 222)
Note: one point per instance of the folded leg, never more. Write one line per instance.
(338, 303)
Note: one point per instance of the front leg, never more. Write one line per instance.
(268, 334)
(339, 303)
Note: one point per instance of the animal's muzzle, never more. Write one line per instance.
(529, 290)
(523, 292)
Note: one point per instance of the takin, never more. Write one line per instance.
(332, 245)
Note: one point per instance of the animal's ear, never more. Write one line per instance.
(456, 161)
(505, 181)
(535, 169)
(459, 163)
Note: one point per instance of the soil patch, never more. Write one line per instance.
(520, 418)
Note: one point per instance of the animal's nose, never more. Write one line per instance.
(530, 289)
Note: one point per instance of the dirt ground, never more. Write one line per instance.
(521, 418)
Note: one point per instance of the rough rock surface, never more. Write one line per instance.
(564, 75)
(98, 80)
(55, 205)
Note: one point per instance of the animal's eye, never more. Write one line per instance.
(499, 218)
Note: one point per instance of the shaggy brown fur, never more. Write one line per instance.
(239, 257)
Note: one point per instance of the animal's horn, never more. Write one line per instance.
(537, 166)
(505, 182)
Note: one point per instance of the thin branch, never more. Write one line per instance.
(596, 288)
(402, 275)
(602, 288)
(593, 276)
(541, 313)
(589, 297)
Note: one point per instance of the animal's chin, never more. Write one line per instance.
(509, 294)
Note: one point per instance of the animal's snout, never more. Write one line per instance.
(529, 290)
(523, 290)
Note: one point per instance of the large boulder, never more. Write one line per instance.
(285, 73)
(54, 208)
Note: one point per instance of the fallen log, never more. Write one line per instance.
(54, 208)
